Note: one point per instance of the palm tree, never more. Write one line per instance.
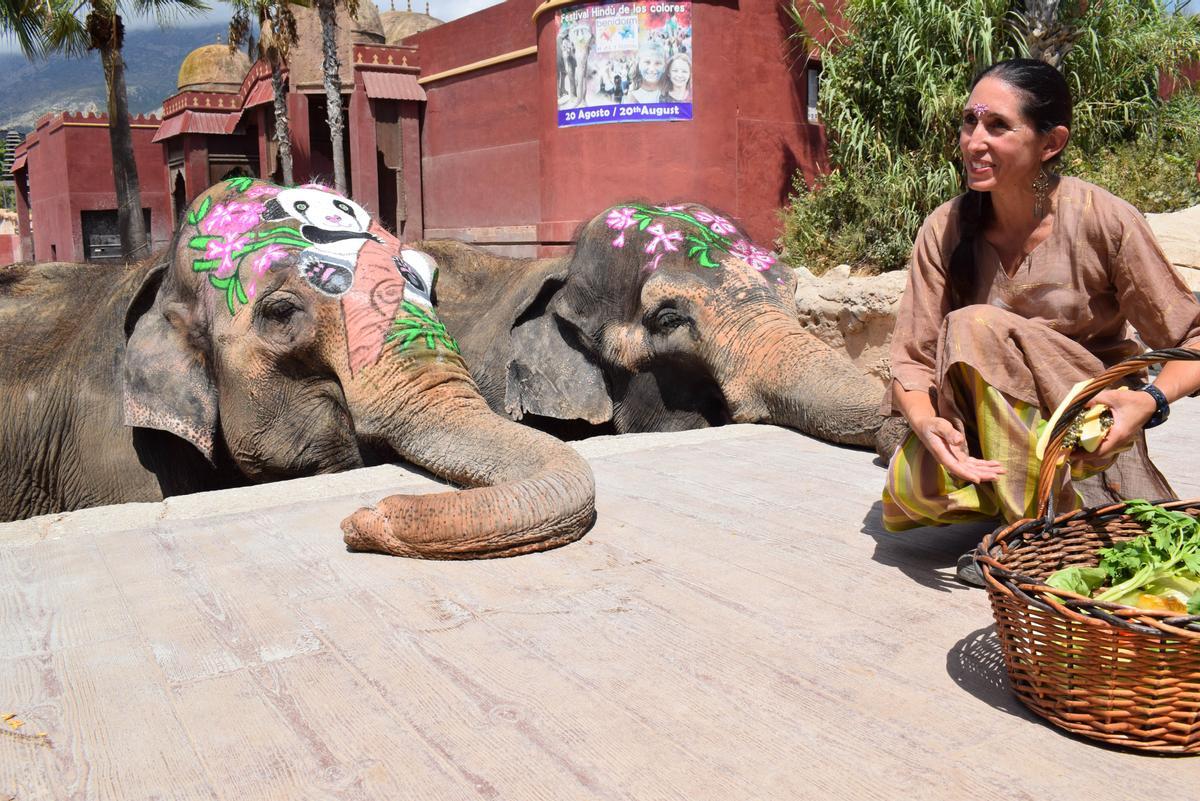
(67, 29)
(24, 19)
(327, 9)
(277, 35)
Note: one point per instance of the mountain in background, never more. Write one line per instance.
(152, 59)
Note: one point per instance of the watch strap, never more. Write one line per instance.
(1162, 408)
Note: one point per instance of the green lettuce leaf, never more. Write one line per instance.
(1079, 580)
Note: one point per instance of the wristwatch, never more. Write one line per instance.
(1162, 409)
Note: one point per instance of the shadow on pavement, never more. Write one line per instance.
(977, 665)
(926, 555)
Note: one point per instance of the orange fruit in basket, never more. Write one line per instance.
(1160, 604)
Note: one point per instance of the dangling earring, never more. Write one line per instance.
(1041, 193)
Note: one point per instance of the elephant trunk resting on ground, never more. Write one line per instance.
(284, 334)
(661, 318)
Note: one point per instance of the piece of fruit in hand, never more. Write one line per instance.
(1093, 426)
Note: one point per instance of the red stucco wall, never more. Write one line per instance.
(70, 170)
(739, 152)
(494, 156)
(479, 141)
(10, 249)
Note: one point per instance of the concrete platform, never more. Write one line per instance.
(737, 626)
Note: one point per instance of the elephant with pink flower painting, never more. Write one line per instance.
(661, 318)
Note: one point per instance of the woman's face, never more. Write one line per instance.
(1000, 147)
(681, 73)
(651, 65)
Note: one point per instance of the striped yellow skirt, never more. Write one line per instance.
(920, 492)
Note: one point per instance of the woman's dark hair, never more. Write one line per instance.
(1046, 102)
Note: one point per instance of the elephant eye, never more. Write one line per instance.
(276, 310)
(668, 317)
(341, 205)
(301, 206)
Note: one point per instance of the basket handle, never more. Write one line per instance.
(1094, 387)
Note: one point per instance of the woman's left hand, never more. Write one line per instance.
(1131, 410)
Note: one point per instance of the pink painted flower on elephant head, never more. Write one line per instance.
(225, 249)
(232, 219)
(717, 223)
(756, 257)
(262, 262)
(620, 219)
(268, 256)
(263, 190)
(661, 236)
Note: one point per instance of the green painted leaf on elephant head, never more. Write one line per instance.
(194, 216)
(239, 184)
(201, 241)
(414, 325)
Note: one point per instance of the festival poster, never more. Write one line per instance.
(624, 62)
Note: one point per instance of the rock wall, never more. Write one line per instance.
(1179, 235)
(854, 314)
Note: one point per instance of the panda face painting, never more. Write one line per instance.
(325, 213)
(336, 227)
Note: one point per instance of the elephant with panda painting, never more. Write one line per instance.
(285, 333)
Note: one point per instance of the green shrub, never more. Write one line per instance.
(893, 84)
(1156, 172)
(868, 224)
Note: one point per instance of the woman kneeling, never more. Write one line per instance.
(1020, 288)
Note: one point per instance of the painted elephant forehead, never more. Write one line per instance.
(689, 230)
(244, 227)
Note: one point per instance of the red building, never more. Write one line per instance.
(63, 174)
(457, 130)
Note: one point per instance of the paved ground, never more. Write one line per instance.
(737, 626)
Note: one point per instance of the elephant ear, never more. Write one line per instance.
(166, 381)
(551, 373)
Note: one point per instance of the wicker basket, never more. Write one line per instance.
(1129, 677)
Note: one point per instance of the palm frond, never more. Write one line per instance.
(22, 21)
(168, 12)
(64, 32)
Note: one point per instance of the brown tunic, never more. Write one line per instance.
(1099, 275)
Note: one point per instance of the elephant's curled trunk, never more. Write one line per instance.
(529, 492)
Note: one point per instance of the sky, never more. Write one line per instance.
(445, 10)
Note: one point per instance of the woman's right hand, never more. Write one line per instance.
(949, 447)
